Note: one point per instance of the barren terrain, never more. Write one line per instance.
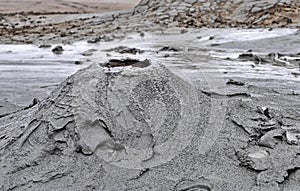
(174, 95)
(64, 6)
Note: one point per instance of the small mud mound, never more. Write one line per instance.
(101, 129)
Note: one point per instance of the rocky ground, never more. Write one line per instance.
(150, 16)
(222, 13)
(155, 105)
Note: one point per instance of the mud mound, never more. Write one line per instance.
(101, 122)
(221, 13)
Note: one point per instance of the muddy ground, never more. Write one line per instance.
(148, 107)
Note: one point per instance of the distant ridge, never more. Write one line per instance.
(221, 13)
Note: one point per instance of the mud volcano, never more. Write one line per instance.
(102, 129)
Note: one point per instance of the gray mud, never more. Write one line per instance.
(198, 118)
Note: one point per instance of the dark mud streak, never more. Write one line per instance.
(239, 125)
(234, 82)
(105, 127)
(142, 172)
(32, 127)
(26, 166)
(290, 172)
(234, 95)
(54, 177)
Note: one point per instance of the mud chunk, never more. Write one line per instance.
(103, 38)
(182, 31)
(266, 112)
(94, 40)
(292, 135)
(253, 57)
(256, 158)
(142, 34)
(88, 52)
(34, 102)
(169, 49)
(215, 44)
(234, 82)
(271, 138)
(269, 124)
(60, 123)
(45, 46)
(259, 154)
(58, 50)
(78, 62)
(246, 56)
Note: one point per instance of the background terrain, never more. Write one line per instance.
(67, 6)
